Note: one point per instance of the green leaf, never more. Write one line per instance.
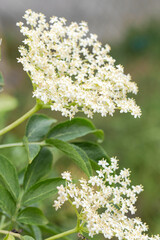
(1, 82)
(37, 232)
(42, 190)
(94, 152)
(7, 103)
(32, 216)
(7, 203)
(75, 128)
(71, 152)
(84, 157)
(95, 165)
(38, 126)
(8, 176)
(32, 149)
(26, 237)
(52, 229)
(9, 237)
(39, 167)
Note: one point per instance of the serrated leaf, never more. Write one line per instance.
(32, 216)
(7, 203)
(75, 128)
(39, 167)
(9, 176)
(42, 190)
(26, 237)
(94, 152)
(70, 151)
(38, 126)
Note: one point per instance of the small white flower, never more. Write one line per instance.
(71, 71)
(111, 192)
(57, 204)
(66, 175)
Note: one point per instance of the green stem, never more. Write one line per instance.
(21, 144)
(11, 233)
(2, 221)
(60, 235)
(18, 206)
(75, 209)
(36, 108)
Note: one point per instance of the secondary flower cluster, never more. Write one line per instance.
(71, 70)
(103, 202)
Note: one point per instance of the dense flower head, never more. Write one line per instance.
(71, 70)
(104, 201)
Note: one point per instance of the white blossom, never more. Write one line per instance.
(67, 175)
(104, 201)
(71, 71)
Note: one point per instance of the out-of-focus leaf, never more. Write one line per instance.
(1, 82)
(32, 216)
(52, 229)
(9, 237)
(1, 77)
(37, 232)
(27, 238)
(7, 103)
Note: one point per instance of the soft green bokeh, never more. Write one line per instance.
(136, 142)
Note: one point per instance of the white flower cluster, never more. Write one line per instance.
(71, 70)
(103, 203)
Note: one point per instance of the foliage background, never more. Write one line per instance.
(136, 142)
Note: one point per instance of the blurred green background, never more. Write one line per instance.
(136, 142)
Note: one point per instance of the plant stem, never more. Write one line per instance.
(75, 209)
(18, 206)
(36, 108)
(60, 235)
(21, 144)
(2, 221)
(11, 233)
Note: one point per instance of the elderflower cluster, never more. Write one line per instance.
(104, 201)
(71, 71)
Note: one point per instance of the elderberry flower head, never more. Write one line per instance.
(103, 203)
(71, 71)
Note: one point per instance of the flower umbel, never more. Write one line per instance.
(71, 71)
(103, 203)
